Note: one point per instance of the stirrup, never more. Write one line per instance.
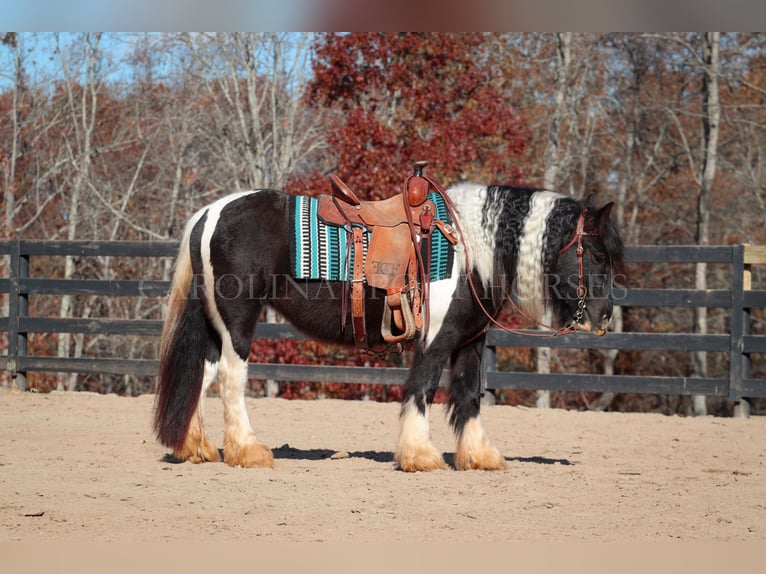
(410, 330)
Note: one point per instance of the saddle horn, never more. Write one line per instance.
(417, 186)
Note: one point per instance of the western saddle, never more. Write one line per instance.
(398, 254)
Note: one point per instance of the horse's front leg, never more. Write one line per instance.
(474, 450)
(414, 449)
(240, 445)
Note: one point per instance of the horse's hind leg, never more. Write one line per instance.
(474, 450)
(414, 449)
(197, 448)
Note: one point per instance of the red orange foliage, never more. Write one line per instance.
(398, 98)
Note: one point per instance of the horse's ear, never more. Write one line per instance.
(598, 218)
(602, 215)
(590, 201)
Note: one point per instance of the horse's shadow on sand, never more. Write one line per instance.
(287, 452)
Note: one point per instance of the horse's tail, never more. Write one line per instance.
(183, 346)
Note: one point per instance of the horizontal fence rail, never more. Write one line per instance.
(738, 343)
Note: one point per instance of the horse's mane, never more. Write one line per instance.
(497, 213)
(616, 251)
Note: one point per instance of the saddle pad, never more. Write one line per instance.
(442, 253)
(318, 251)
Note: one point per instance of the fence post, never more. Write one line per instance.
(488, 364)
(18, 306)
(738, 360)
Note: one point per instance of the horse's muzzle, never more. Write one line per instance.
(585, 325)
(601, 331)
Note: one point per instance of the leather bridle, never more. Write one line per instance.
(582, 290)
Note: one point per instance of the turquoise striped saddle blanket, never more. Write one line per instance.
(319, 251)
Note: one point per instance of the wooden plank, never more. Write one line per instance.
(622, 341)
(138, 367)
(276, 371)
(327, 373)
(117, 288)
(608, 383)
(333, 374)
(5, 285)
(101, 248)
(754, 299)
(678, 253)
(92, 326)
(6, 246)
(754, 388)
(278, 331)
(755, 254)
(673, 298)
(754, 344)
(142, 327)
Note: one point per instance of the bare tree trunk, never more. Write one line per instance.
(83, 117)
(552, 170)
(711, 114)
(553, 160)
(9, 163)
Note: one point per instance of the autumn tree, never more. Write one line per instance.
(398, 98)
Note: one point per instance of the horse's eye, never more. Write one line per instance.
(598, 257)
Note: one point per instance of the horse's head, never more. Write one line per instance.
(588, 263)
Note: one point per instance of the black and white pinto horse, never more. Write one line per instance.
(235, 258)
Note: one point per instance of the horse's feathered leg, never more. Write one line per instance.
(474, 450)
(414, 449)
(196, 447)
(240, 445)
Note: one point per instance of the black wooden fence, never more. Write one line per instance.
(738, 343)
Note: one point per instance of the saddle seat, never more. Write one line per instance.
(337, 209)
(399, 229)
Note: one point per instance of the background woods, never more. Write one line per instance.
(106, 136)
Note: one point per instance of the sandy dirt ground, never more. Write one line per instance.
(86, 467)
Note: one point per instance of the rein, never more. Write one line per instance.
(582, 290)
